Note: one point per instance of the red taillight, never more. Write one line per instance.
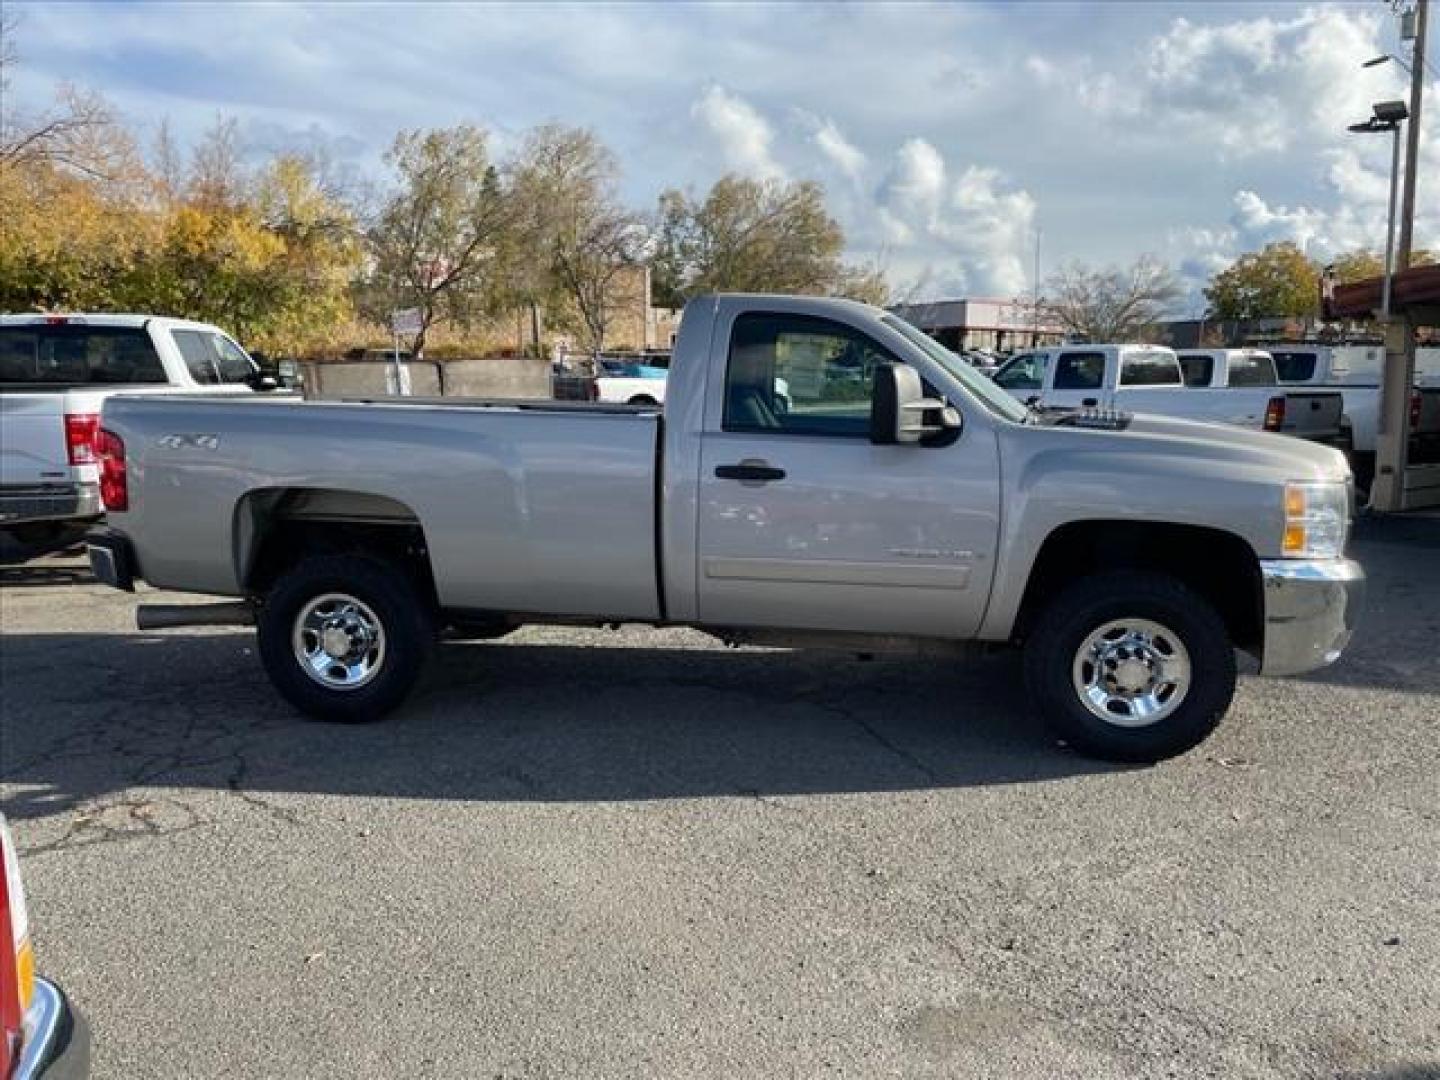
(80, 431)
(1414, 410)
(114, 485)
(1275, 414)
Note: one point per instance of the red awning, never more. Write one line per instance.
(1414, 288)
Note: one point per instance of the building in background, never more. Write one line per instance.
(983, 323)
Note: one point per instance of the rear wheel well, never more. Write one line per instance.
(280, 527)
(1218, 565)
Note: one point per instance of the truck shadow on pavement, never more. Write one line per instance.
(89, 716)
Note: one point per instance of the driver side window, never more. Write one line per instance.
(801, 375)
(1025, 372)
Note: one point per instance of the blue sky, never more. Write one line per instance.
(946, 135)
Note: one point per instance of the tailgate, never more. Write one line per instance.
(32, 438)
(1428, 420)
(1313, 414)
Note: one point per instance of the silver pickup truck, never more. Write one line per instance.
(896, 500)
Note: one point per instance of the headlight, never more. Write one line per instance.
(1317, 519)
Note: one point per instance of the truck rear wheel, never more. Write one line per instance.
(1130, 667)
(344, 638)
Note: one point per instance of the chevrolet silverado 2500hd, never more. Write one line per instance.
(899, 500)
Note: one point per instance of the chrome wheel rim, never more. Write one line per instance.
(339, 641)
(1132, 672)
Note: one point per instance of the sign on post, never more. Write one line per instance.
(403, 321)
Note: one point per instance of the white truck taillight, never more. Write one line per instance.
(1275, 414)
(17, 964)
(114, 484)
(80, 429)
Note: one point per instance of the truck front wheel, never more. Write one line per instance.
(1130, 666)
(344, 638)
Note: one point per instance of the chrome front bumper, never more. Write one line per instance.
(1311, 606)
(57, 1038)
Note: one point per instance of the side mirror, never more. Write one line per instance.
(901, 413)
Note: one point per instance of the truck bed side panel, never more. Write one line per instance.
(522, 512)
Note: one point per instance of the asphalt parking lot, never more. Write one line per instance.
(635, 853)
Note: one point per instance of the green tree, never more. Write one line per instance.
(436, 242)
(1112, 304)
(322, 250)
(1277, 281)
(1359, 265)
(747, 236)
(576, 238)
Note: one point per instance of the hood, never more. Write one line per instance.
(1297, 459)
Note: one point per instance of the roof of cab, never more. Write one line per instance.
(96, 318)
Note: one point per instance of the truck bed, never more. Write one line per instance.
(525, 506)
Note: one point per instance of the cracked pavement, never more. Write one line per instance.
(586, 853)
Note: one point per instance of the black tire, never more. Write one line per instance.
(1067, 622)
(643, 399)
(394, 601)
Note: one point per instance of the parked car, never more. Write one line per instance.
(1149, 378)
(42, 1034)
(629, 382)
(55, 373)
(1354, 371)
(1128, 556)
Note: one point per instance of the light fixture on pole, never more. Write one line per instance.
(1385, 58)
(1387, 116)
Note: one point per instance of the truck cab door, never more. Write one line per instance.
(803, 522)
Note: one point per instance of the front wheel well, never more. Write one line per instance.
(1220, 566)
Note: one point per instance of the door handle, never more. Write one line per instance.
(1090, 402)
(754, 471)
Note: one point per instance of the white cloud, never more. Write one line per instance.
(840, 151)
(744, 136)
(970, 232)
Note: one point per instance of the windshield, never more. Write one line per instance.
(986, 392)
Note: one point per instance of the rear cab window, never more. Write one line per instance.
(1198, 369)
(1150, 368)
(1295, 366)
(78, 355)
(212, 358)
(1251, 369)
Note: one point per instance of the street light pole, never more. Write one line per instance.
(1390, 224)
(1412, 143)
(1387, 491)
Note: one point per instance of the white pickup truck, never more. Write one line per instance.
(1149, 378)
(56, 371)
(899, 501)
(1354, 371)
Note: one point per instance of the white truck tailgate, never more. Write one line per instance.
(32, 438)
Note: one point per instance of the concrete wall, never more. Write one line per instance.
(498, 377)
(485, 377)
